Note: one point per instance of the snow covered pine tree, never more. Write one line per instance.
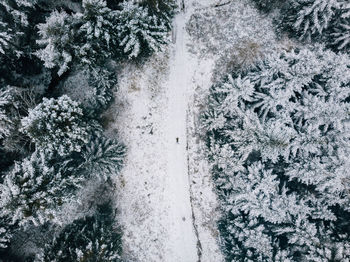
(90, 239)
(139, 32)
(56, 125)
(325, 20)
(278, 138)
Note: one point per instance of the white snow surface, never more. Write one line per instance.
(182, 240)
(155, 105)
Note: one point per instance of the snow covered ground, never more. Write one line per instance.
(154, 189)
(167, 205)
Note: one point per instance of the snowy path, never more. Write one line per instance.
(182, 242)
(154, 191)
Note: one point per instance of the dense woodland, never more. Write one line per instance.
(278, 140)
(277, 130)
(59, 61)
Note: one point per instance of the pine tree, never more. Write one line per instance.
(56, 125)
(93, 239)
(97, 31)
(278, 138)
(102, 157)
(35, 188)
(320, 20)
(6, 123)
(57, 35)
(163, 9)
(310, 18)
(139, 32)
(5, 231)
(339, 36)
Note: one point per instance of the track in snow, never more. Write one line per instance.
(182, 245)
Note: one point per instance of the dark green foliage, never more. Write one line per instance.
(102, 157)
(318, 21)
(91, 239)
(278, 138)
(140, 32)
(98, 33)
(266, 5)
(164, 9)
(5, 232)
(34, 190)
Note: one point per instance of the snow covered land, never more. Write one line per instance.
(174, 130)
(156, 123)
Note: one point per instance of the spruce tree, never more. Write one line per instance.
(93, 239)
(57, 125)
(35, 188)
(318, 20)
(57, 36)
(139, 32)
(97, 32)
(278, 138)
(102, 157)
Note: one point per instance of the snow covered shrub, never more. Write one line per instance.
(56, 125)
(278, 139)
(139, 32)
(91, 239)
(35, 188)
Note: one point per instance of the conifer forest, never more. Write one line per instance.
(174, 131)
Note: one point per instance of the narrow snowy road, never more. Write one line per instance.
(154, 200)
(182, 242)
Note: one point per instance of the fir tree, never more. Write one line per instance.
(93, 239)
(310, 18)
(56, 125)
(35, 188)
(97, 32)
(57, 36)
(138, 30)
(278, 139)
(102, 157)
